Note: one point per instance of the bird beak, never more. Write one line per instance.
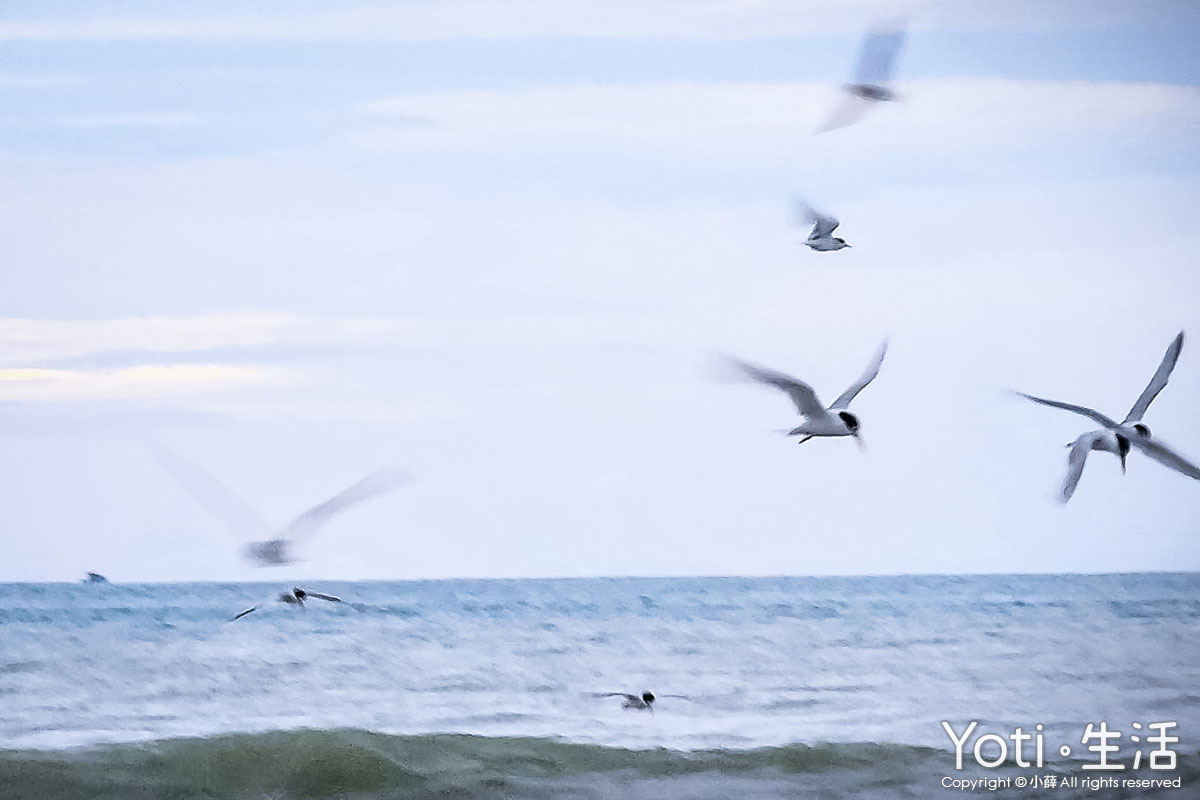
(1122, 465)
(861, 444)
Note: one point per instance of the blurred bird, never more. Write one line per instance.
(1132, 429)
(876, 60)
(818, 420)
(821, 237)
(295, 597)
(642, 702)
(277, 547)
(1105, 440)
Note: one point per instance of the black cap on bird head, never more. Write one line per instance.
(647, 697)
(300, 593)
(1142, 428)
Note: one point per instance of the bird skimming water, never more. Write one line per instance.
(295, 597)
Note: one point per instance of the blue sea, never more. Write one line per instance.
(792, 687)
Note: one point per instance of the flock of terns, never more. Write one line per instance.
(870, 86)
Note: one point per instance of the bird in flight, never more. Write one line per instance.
(642, 702)
(295, 597)
(821, 237)
(1130, 430)
(269, 547)
(872, 76)
(835, 420)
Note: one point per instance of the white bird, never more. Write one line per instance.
(1106, 440)
(642, 702)
(1132, 428)
(819, 420)
(295, 597)
(876, 60)
(821, 237)
(276, 547)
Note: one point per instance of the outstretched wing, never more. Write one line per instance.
(1076, 460)
(241, 614)
(801, 393)
(1157, 383)
(868, 375)
(1166, 456)
(378, 482)
(849, 110)
(877, 57)
(626, 695)
(1091, 414)
(331, 598)
(235, 513)
(823, 225)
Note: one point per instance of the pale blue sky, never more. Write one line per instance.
(499, 245)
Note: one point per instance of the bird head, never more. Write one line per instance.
(1123, 448)
(299, 593)
(1142, 429)
(841, 242)
(853, 426)
(648, 698)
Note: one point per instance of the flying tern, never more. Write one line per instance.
(1132, 429)
(835, 420)
(642, 702)
(821, 237)
(872, 75)
(295, 597)
(272, 548)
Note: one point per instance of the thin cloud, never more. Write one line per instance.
(162, 119)
(140, 382)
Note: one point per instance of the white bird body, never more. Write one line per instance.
(819, 420)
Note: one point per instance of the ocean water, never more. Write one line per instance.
(822, 687)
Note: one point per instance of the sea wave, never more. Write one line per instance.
(362, 764)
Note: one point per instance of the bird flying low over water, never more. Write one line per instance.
(835, 420)
(1131, 429)
(872, 74)
(642, 702)
(821, 237)
(295, 597)
(275, 547)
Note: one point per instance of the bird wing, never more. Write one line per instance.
(1091, 414)
(331, 598)
(1076, 460)
(378, 482)
(801, 393)
(868, 375)
(626, 695)
(1165, 455)
(1157, 383)
(241, 614)
(849, 110)
(823, 224)
(238, 515)
(877, 56)
(677, 696)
